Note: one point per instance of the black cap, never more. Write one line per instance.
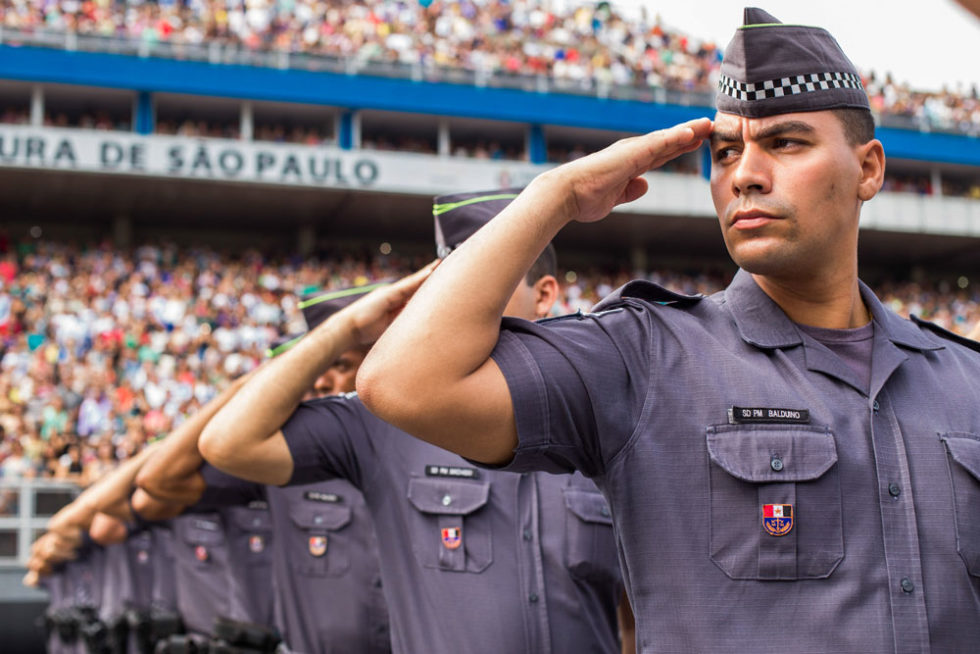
(459, 216)
(319, 306)
(282, 344)
(771, 68)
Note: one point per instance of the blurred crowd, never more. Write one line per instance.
(103, 350)
(584, 46)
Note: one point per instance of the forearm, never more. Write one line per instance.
(448, 330)
(101, 495)
(172, 473)
(242, 430)
(115, 487)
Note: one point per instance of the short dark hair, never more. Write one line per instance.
(859, 125)
(546, 264)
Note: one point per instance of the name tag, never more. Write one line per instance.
(456, 472)
(742, 415)
(317, 496)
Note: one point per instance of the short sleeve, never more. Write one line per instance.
(327, 438)
(223, 490)
(578, 386)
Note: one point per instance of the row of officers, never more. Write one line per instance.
(376, 542)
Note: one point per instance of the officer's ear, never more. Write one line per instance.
(871, 156)
(545, 295)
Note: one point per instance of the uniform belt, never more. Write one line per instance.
(231, 636)
(183, 644)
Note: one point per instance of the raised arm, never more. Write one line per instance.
(108, 495)
(172, 474)
(431, 373)
(245, 439)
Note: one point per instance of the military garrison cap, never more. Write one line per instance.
(460, 215)
(770, 68)
(317, 307)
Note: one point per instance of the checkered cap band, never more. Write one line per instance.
(787, 86)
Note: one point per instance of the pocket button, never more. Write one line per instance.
(776, 464)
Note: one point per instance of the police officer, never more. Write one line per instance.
(78, 564)
(474, 560)
(327, 586)
(790, 465)
(127, 580)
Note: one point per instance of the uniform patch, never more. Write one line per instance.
(777, 519)
(742, 415)
(452, 537)
(317, 496)
(255, 543)
(318, 545)
(456, 472)
(201, 553)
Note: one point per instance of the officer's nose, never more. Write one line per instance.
(324, 384)
(753, 173)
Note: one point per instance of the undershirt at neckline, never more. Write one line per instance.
(853, 346)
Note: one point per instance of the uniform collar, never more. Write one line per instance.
(761, 322)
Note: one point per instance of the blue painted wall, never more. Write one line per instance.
(363, 92)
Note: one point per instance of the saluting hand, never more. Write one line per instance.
(371, 315)
(595, 184)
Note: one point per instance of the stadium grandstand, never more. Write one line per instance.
(173, 176)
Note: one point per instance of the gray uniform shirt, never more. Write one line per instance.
(201, 567)
(248, 529)
(765, 500)
(163, 595)
(117, 583)
(326, 581)
(472, 560)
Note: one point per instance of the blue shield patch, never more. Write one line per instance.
(777, 519)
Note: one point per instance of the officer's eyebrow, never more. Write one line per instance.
(721, 135)
(787, 127)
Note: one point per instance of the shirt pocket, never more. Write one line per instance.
(449, 529)
(252, 529)
(590, 541)
(320, 548)
(775, 500)
(964, 467)
(205, 539)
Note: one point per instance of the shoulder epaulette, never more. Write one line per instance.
(649, 292)
(946, 334)
(578, 315)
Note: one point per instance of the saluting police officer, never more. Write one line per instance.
(127, 583)
(326, 586)
(790, 465)
(476, 560)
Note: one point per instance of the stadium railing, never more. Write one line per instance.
(216, 52)
(25, 506)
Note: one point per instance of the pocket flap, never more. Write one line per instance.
(588, 506)
(203, 531)
(447, 496)
(964, 448)
(320, 516)
(750, 454)
(247, 519)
